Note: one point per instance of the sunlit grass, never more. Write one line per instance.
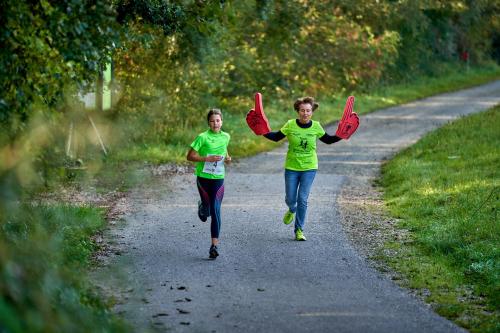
(446, 191)
(453, 78)
(154, 153)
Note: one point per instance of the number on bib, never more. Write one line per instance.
(214, 168)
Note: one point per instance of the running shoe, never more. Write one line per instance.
(203, 213)
(299, 236)
(213, 252)
(288, 218)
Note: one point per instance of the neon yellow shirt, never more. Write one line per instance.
(301, 155)
(211, 143)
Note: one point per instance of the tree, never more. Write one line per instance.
(46, 47)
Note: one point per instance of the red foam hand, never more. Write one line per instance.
(349, 122)
(256, 118)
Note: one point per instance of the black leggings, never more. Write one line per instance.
(211, 194)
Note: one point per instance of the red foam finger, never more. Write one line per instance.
(350, 126)
(344, 114)
(258, 122)
(350, 102)
(349, 122)
(348, 107)
(259, 108)
(356, 116)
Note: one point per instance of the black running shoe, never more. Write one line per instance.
(213, 252)
(202, 212)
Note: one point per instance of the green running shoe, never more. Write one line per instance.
(299, 236)
(288, 218)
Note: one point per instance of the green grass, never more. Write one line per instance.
(45, 252)
(453, 78)
(446, 191)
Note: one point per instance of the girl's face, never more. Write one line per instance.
(215, 123)
(305, 113)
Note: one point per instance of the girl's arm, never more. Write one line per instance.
(193, 156)
(275, 136)
(329, 139)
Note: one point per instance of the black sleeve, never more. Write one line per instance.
(275, 136)
(329, 139)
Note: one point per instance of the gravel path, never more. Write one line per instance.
(264, 281)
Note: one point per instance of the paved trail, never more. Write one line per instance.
(264, 281)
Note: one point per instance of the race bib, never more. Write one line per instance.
(214, 168)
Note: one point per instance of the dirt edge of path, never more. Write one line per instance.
(368, 226)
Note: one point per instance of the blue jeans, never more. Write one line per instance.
(297, 187)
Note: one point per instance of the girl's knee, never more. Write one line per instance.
(302, 203)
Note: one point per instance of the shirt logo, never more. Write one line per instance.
(303, 143)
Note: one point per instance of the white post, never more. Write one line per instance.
(98, 136)
(70, 138)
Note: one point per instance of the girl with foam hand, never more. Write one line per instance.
(301, 163)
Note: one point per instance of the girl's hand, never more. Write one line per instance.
(213, 158)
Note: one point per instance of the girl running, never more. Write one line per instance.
(209, 151)
(301, 161)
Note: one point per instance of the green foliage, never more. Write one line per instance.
(192, 21)
(181, 57)
(164, 14)
(277, 55)
(45, 250)
(438, 31)
(49, 47)
(446, 191)
(200, 55)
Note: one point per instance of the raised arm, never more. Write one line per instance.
(275, 136)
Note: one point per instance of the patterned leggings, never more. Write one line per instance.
(211, 194)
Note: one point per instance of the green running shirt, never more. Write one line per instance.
(211, 143)
(301, 155)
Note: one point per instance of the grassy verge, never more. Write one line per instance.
(45, 252)
(446, 191)
(245, 143)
